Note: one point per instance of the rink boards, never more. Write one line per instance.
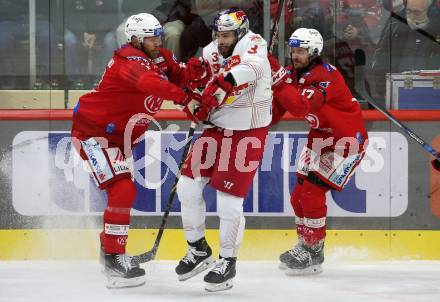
(389, 210)
(345, 245)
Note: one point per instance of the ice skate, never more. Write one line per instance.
(121, 273)
(197, 259)
(306, 260)
(220, 276)
(288, 255)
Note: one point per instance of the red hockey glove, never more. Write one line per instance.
(195, 112)
(186, 97)
(216, 92)
(197, 73)
(190, 105)
(190, 110)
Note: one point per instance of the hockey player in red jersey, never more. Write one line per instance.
(336, 144)
(109, 120)
(286, 97)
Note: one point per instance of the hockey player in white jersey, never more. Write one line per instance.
(237, 104)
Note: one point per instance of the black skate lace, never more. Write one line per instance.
(125, 261)
(191, 253)
(221, 266)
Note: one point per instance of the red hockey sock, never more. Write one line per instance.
(295, 200)
(314, 208)
(300, 231)
(121, 196)
(296, 205)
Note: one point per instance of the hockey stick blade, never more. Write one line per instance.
(142, 258)
(362, 91)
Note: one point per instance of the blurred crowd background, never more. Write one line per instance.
(66, 44)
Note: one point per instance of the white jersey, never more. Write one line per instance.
(250, 104)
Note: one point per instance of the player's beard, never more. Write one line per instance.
(298, 64)
(152, 54)
(226, 51)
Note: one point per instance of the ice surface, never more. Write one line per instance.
(57, 281)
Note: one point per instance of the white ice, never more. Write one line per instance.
(59, 281)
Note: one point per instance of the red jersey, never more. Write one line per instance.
(332, 107)
(331, 110)
(285, 97)
(131, 84)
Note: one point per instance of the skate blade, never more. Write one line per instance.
(205, 264)
(216, 287)
(311, 270)
(282, 266)
(114, 282)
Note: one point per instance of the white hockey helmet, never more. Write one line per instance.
(309, 39)
(141, 26)
(233, 19)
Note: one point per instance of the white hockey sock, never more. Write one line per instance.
(193, 221)
(193, 206)
(231, 236)
(232, 223)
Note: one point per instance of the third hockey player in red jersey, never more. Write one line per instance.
(336, 144)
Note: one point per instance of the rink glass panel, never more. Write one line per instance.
(44, 65)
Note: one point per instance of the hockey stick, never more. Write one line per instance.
(274, 32)
(151, 254)
(360, 88)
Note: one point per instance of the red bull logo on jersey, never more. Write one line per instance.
(233, 61)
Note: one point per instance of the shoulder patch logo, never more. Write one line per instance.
(324, 84)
